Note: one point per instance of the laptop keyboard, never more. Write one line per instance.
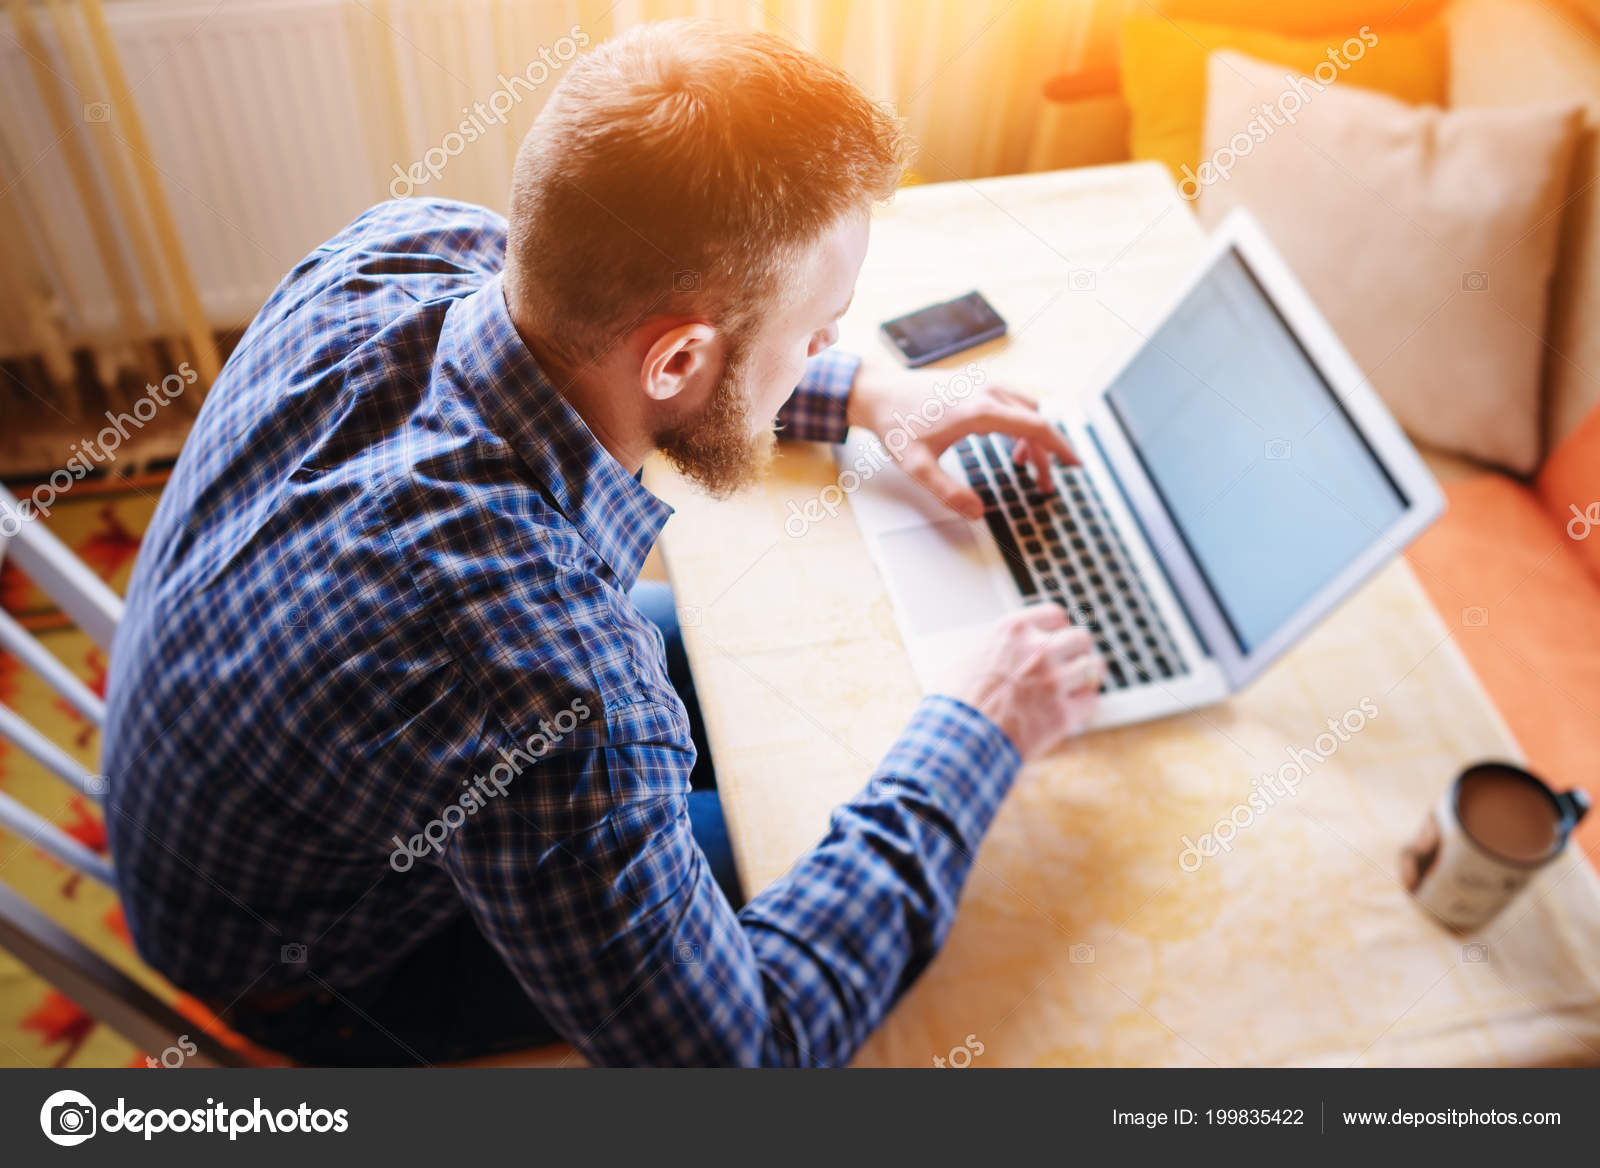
(1061, 547)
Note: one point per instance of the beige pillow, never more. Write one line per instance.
(1426, 236)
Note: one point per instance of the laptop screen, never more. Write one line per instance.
(1266, 478)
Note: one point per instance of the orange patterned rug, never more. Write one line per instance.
(39, 1027)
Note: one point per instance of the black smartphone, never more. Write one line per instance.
(941, 329)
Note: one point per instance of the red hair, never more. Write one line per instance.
(678, 169)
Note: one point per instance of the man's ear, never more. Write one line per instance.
(683, 356)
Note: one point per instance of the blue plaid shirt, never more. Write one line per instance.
(379, 669)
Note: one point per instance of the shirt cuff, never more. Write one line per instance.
(954, 757)
(815, 412)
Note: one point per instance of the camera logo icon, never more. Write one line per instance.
(67, 1118)
(1475, 617)
(292, 954)
(1475, 953)
(97, 111)
(1081, 955)
(1081, 280)
(1475, 281)
(1277, 449)
(686, 281)
(686, 953)
(888, 787)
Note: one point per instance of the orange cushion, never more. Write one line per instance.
(1569, 484)
(1304, 17)
(1526, 612)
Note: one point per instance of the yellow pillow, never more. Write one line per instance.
(1164, 73)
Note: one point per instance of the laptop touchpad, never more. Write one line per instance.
(943, 577)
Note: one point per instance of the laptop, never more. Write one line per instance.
(1239, 480)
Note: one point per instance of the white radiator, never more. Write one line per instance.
(274, 122)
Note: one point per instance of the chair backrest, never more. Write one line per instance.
(82, 595)
(85, 977)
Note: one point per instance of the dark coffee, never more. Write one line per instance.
(1485, 839)
(1506, 814)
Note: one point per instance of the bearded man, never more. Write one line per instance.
(404, 765)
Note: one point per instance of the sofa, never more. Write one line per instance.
(1514, 565)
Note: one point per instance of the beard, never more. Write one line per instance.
(715, 447)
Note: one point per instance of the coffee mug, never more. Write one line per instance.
(1494, 828)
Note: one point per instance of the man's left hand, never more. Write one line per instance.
(918, 414)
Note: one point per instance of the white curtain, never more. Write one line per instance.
(274, 122)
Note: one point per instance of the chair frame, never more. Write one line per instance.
(107, 993)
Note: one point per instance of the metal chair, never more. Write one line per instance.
(49, 950)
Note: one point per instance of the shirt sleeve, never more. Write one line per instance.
(815, 412)
(619, 933)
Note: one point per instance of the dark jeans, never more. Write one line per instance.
(453, 997)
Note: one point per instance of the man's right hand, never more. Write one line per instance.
(1037, 677)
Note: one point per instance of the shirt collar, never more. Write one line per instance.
(613, 512)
